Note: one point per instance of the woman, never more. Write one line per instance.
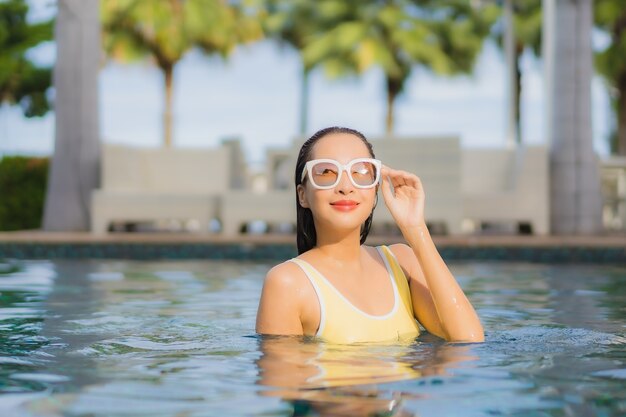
(343, 291)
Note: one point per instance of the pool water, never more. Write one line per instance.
(176, 338)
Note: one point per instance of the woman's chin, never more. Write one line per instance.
(344, 220)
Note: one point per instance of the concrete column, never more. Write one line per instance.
(576, 204)
(74, 170)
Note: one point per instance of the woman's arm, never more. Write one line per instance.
(458, 320)
(432, 283)
(424, 307)
(279, 307)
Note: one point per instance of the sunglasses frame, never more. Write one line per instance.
(309, 166)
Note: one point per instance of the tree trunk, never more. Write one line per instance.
(304, 101)
(519, 50)
(389, 118)
(511, 57)
(621, 117)
(168, 72)
(393, 89)
(575, 198)
(75, 166)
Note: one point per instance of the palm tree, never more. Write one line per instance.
(575, 197)
(74, 170)
(294, 22)
(21, 81)
(526, 32)
(165, 30)
(610, 17)
(291, 23)
(444, 36)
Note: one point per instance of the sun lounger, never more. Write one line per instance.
(143, 185)
(507, 186)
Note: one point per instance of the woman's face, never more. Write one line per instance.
(344, 206)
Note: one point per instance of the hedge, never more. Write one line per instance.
(23, 183)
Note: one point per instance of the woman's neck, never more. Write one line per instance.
(343, 250)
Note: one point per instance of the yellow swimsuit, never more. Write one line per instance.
(342, 322)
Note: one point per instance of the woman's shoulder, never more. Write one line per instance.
(401, 250)
(285, 276)
(404, 255)
(398, 250)
(283, 301)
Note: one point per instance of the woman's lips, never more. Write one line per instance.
(344, 205)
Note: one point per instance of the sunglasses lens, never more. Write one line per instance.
(324, 174)
(364, 173)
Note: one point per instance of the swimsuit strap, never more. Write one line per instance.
(401, 281)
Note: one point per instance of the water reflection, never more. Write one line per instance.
(133, 338)
(23, 291)
(318, 378)
(71, 298)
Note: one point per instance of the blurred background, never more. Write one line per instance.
(264, 73)
(254, 93)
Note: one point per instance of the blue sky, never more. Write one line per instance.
(254, 96)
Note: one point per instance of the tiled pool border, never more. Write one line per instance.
(550, 250)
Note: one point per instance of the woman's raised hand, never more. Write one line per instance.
(406, 200)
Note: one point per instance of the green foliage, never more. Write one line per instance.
(166, 30)
(294, 22)
(610, 63)
(610, 17)
(22, 192)
(443, 36)
(528, 20)
(21, 81)
(527, 23)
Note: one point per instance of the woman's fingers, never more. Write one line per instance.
(386, 187)
(393, 175)
(406, 200)
(400, 178)
(414, 181)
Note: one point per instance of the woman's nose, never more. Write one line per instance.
(345, 185)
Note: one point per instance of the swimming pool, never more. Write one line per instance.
(176, 338)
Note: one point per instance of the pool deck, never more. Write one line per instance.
(615, 240)
(52, 245)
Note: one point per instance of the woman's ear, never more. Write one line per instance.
(302, 196)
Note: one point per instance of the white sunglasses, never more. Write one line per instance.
(326, 173)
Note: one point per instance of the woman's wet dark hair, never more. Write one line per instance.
(306, 235)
